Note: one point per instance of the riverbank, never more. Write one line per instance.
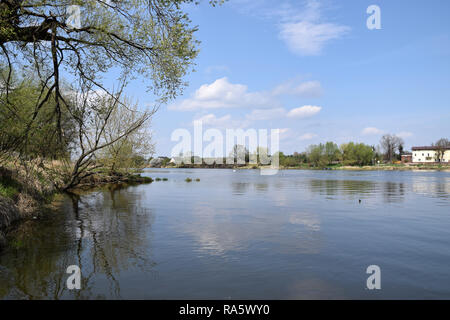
(25, 193)
(380, 167)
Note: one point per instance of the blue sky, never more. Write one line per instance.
(314, 69)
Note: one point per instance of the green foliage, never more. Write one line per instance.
(322, 155)
(131, 150)
(154, 39)
(332, 152)
(17, 244)
(188, 180)
(330, 155)
(357, 154)
(9, 188)
(8, 191)
(30, 130)
(151, 39)
(165, 161)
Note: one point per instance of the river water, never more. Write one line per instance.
(241, 235)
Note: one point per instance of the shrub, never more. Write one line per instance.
(9, 187)
(188, 180)
(8, 191)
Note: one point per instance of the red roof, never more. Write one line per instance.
(428, 148)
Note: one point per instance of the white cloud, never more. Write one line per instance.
(211, 120)
(223, 94)
(304, 112)
(307, 89)
(276, 113)
(372, 131)
(375, 131)
(404, 134)
(305, 31)
(309, 38)
(302, 25)
(307, 136)
(266, 114)
(285, 133)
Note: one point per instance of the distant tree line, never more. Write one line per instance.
(329, 153)
(390, 149)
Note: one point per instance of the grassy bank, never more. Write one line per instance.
(396, 167)
(305, 166)
(22, 193)
(25, 191)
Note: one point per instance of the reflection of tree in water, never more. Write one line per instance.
(342, 187)
(261, 186)
(393, 192)
(35, 263)
(442, 190)
(436, 188)
(240, 188)
(353, 189)
(104, 232)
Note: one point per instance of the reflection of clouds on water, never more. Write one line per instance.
(222, 232)
(308, 220)
(313, 288)
(215, 232)
(280, 198)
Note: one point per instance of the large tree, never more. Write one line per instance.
(441, 145)
(357, 154)
(240, 154)
(131, 150)
(104, 125)
(18, 120)
(391, 144)
(88, 38)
